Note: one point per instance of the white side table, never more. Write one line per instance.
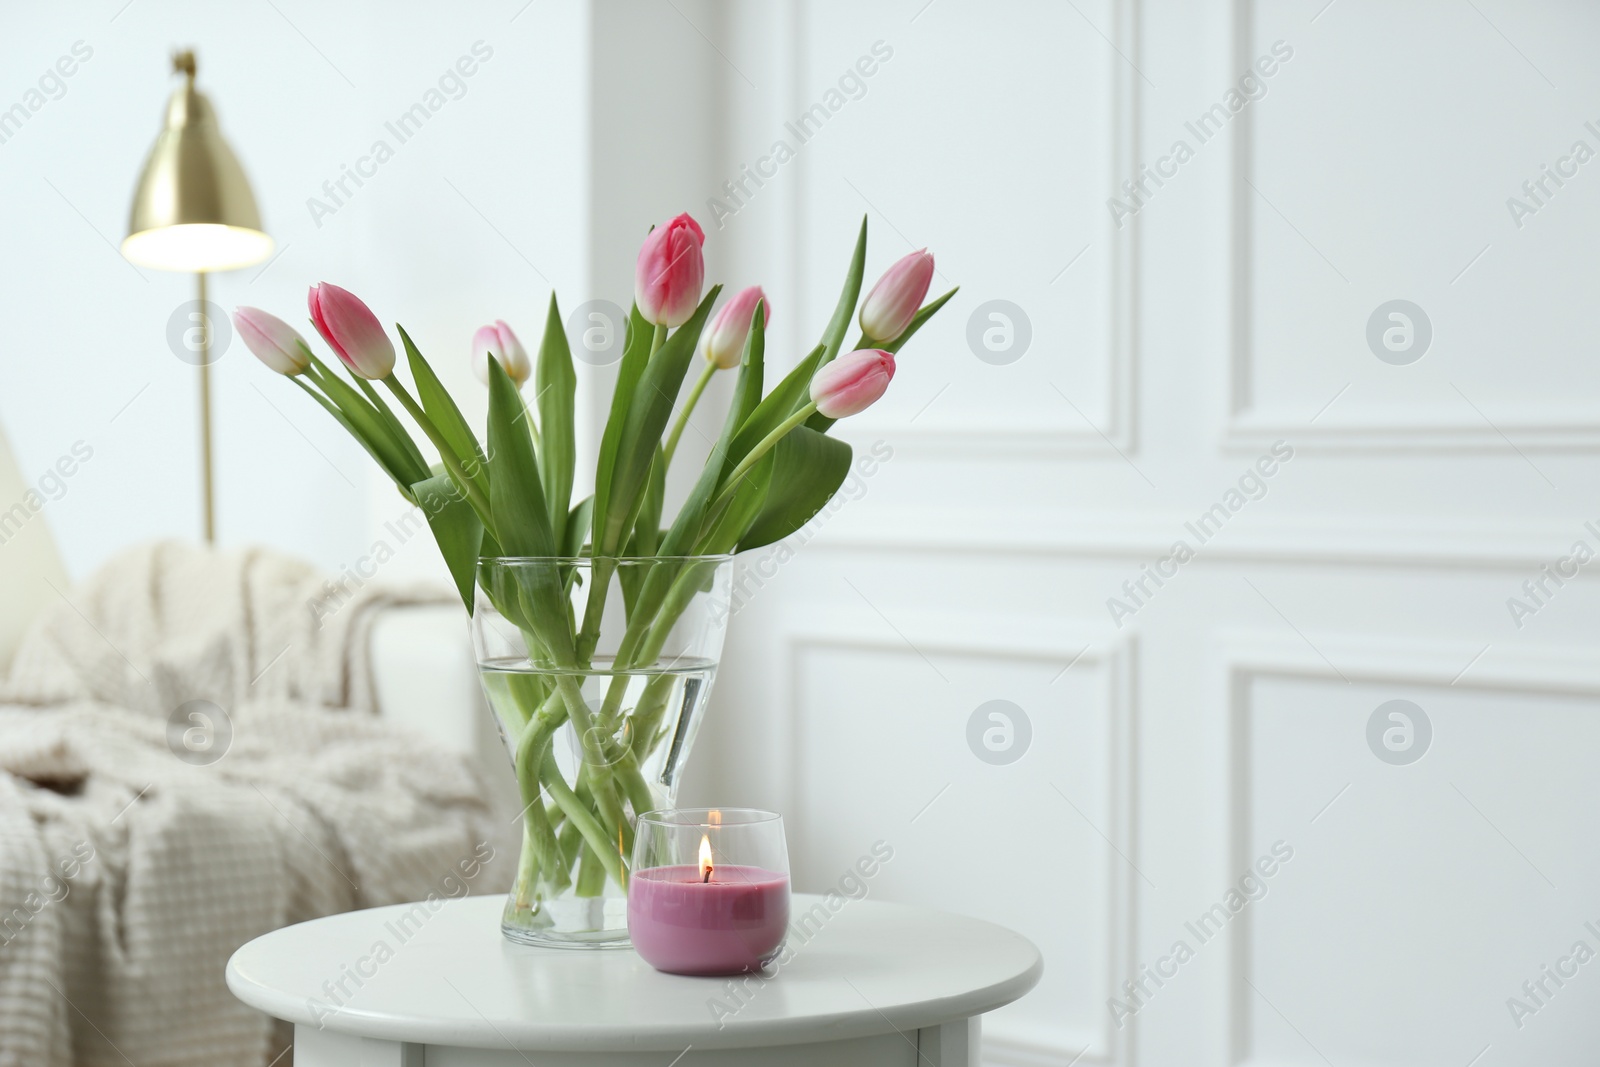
(402, 986)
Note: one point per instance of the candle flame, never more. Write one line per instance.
(715, 817)
(705, 858)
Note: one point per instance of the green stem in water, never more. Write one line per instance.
(600, 571)
(646, 634)
(604, 849)
(753, 457)
(527, 869)
(683, 416)
(595, 756)
(540, 851)
(447, 455)
(647, 714)
(570, 841)
(591, 881)
(634, 785)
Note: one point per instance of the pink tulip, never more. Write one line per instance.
(852, 383)
(670, 272)
(351, 330)
(894, 301)
(723, 343)
(273, 341)
(498, 341)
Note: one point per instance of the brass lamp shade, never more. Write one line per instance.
(193, 209)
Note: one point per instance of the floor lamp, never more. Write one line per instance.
(193, 211)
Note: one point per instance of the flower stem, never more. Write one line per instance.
(527, 413)
(591, 879)
(604, 849)
(753, 457)
(633, 783)
(596, 759)
(683, 416)
(541, 852)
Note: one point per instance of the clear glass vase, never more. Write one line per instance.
(597, 672)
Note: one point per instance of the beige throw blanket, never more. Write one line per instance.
(134, 860)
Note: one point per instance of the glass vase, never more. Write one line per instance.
(597, 672)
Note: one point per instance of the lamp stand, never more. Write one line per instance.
(207, 480)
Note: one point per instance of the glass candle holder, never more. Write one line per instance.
(709, 892)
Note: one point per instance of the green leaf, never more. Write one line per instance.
(752, 371)
(682, 539)
(727, 525)
(399, 477)
(363, 420)
(516, 501)
(557, 387)
(651, 407)
(809, 469)
(456, 530)
(436, 401)
(499, 584)
(647, 527)
(685, 531)
(516, 497)
(395, 427)
(576, 531)
(845, 310)
(635, 354)
(646, 539)
(787, 397)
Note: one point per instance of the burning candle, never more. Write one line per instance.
(715, 908)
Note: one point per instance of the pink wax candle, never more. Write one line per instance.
(682, 922)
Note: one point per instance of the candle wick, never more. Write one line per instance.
(707, 878)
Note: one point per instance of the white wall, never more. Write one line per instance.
(474, 218)
(1175, 741)
(1171, 747)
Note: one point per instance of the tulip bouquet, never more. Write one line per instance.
(541, 572)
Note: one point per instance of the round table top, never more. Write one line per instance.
(449, 978)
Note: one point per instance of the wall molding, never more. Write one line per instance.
(1244, 656)
(1251, 431)
(1117, 251)
(1250, 427)
(1006, 637)
(1517, 547)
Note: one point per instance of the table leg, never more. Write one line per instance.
(954, 1044)
(326, 1048)
(392, 1054)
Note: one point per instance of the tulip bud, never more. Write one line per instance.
(670, 272)
(723, 343)
(273, 341)
(894, 301)
(351, 330)
(499, 342)
(852, 383)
